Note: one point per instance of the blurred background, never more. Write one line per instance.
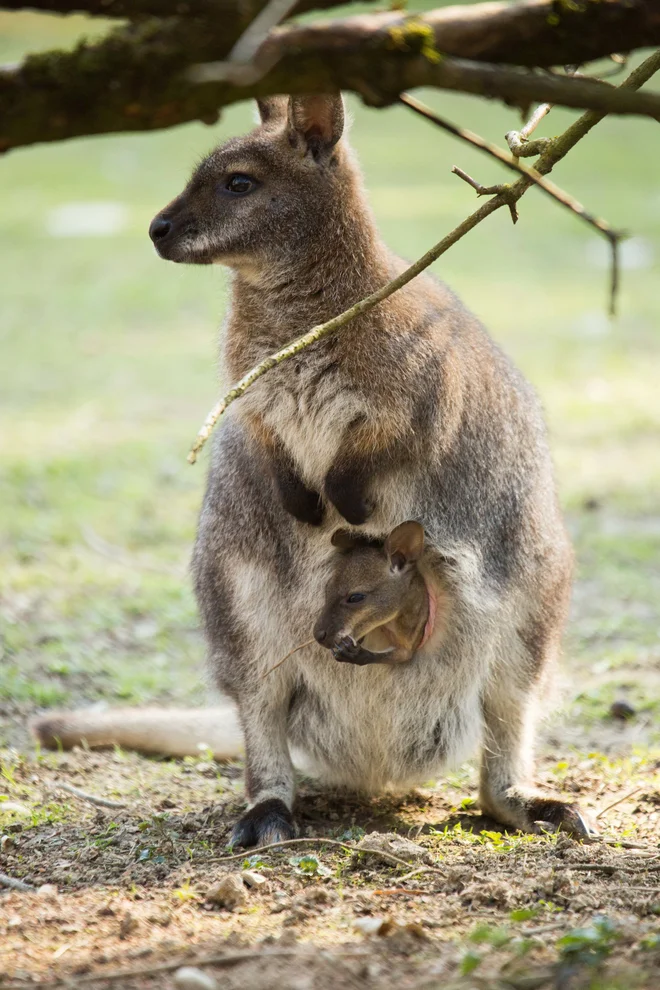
(109, 366)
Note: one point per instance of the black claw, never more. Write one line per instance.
(267, 822)
(558, 816)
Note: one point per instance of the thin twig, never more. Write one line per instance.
(328, 842)
(386, 891)
(310, 642)
(241, 67)
(518, 142)
(92, 798)
(542, 929)
(222, 959)
(13, 884)
(620, 801)
(592, 867)
(121, 556)
(501, 189)
(560, 147)
(572, 204)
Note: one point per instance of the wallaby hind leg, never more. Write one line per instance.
(510, 714)
(269, 775)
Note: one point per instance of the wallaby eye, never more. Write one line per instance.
(240, 184)
(355, 599)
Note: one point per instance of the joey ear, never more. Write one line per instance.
(343, 540)
(272, 109)
(405, 544)
(316, 121)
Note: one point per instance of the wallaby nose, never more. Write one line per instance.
(320, 635)
(159, 228)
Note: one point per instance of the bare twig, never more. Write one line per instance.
(542, 929)
(12, 884)
(323, 329)
(242, 67)
(560, 147)
(120, 556)
(310, 642)
(518, 142)
(84, 796)
(619, 801)
(613, 236)
(501, 189)
(390, 857)
(221, 959)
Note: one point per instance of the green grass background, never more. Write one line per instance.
(108, 360)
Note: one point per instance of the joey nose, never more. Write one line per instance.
(320, 635)
(159, 228)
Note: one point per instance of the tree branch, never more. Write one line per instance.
(216, 10)
(561, 145)
(563, 198)
(137, 78)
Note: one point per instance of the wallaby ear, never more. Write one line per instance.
(317, 121)
(405, 544)
(343, 540)
(272, 109)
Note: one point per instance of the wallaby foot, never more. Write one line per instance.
(266, 822)
(531, 811)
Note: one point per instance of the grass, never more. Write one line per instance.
(109, 368)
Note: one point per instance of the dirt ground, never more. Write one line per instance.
(124, 895)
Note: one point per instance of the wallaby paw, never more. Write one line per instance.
(346, 650)
(348, 498)
(549, 814)
(304, 505)
(267, 822)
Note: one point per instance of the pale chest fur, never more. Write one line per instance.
(308, 410)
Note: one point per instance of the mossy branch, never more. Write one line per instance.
(560, 147)
(139, 77)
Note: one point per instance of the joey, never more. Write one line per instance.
(378, 607)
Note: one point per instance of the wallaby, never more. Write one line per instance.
(378, 609)
(409, 412)
(378, 606)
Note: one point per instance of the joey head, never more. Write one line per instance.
(378, 607)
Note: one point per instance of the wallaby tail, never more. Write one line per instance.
(163, 731)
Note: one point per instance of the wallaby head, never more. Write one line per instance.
(263, 197)
(374, 585)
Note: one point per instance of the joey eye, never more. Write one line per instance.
(355, 599)
(240, 184)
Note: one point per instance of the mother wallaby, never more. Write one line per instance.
(410, 411)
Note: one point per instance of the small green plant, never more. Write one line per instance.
(310, 866)
(589, 945)
(470, 961)
(493, 935)
(254, 863)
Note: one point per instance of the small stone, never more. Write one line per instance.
(370, 926)
(206, 769)
(191, 978)
(395, 845)
(228, 893)
(48, 891)
(15, 922)
(127, 925)
(6, 841)
(622, 710)
(253, 879)
(15, 808)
